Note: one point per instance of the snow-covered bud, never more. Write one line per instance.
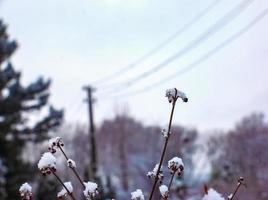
(71, 163)
(91, 190)
(212, 195)
(47, 163)
(165, 133)
(173, 94)
(64, 192)
(137, 195)
(55, 143)
(152, 174)
(175, 165)
(26, 191)
(163, 191)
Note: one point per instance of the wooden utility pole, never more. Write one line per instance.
(92, 135)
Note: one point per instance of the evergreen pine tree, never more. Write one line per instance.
(16, 104)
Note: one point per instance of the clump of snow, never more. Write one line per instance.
(175, 164)
(25, 191)
(54, 143)
(47, 163)
(91, 190)
(163, 191)
(212, 195)
(153, 174)
(230, 196)
(173, 94)
(71, 163)
(137, 195)
(165, 133)
(64, 192)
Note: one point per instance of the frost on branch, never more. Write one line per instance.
(152, 174)
(91, 190)
(173, 94)
(212, 195)
(55, 143)
(137, 195)
(165, 133)
(26, 191)
(64, 192)
(47, 163)
(71, 163)
(175, 164)
(163, 191)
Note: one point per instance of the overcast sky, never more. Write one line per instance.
(76, 42)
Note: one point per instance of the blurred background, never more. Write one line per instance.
(94, 72)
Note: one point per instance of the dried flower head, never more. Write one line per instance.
(47, 163)
(55, 143)
(152, 174)
(163, 191)
(176, 165)
(26, 191)
(64, 192)
(165, 133)
(137, 195)
(71, 163)
(173, 94)
(91, 190)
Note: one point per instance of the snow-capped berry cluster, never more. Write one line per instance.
(153, 174)
(47, 163)
(55, 143)
(64, 192)
(137, 195)
(91, 190)
(26, 191)
(173, 94)
(175, 165)
(71, 163)
(165, 133)
(164, 191)
(212, 195)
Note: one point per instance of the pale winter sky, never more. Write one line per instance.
(76, 42)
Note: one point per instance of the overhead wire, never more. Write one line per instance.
(157, 48)
(219, 24)
(196, 63)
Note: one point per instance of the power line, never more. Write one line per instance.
(227, 18)
(160, 46)
(191, 66)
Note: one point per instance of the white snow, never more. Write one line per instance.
(46, 163)
(163, 191)
(25, 191)
(213, 195)
(137, 195)
(165, 133)
(54, 143)
(64, 192)
(174, 93)
(71, 163)
(152, 174)
(175, 164)
(91, 189)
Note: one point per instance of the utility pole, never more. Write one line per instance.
(92, 137)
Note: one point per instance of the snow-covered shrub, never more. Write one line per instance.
(91, 190)
(47, 163)
(26, 191)
(137, 195)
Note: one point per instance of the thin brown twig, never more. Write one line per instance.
(170, 182)
(165, 147)
(61, 182)
(240, 182)
(73, 169)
